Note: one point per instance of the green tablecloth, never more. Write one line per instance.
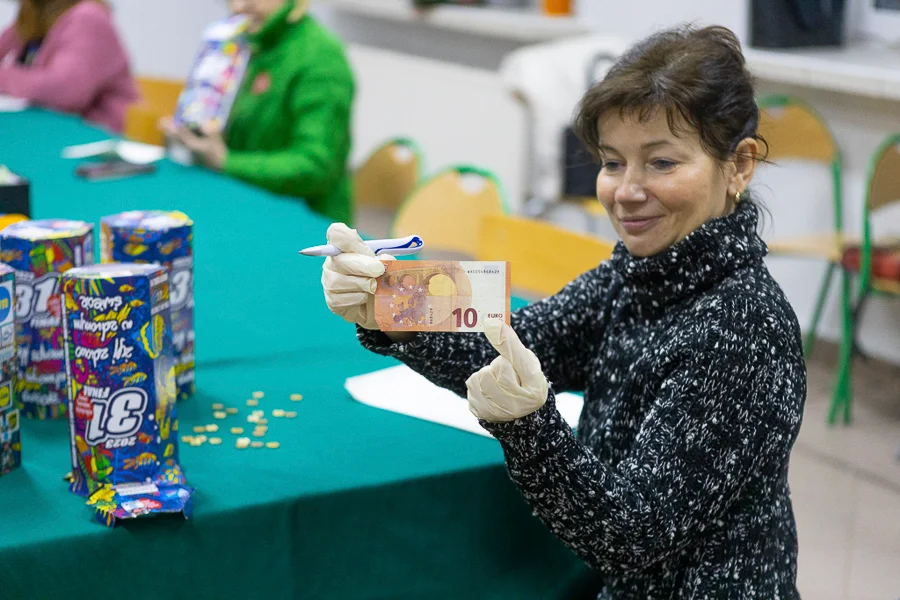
(357, 503)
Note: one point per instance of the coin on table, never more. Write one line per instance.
(231, 410)
(296, 397)
(262, 421)
(186, 439)
(258, 395)
(290, 414)
(200, 438)
(218, 406)
(256, 444)
(252, 418)
(196, 442)
(272, 445)
(242, 443)
(211, 428)
(252, 402)
(220, 414)
(199, 429)
(258, 413)
(278, 412)
(237, 430)
(257, 433)
(215, 441)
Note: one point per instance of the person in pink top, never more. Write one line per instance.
(65, 55)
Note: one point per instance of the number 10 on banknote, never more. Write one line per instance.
(440, 295)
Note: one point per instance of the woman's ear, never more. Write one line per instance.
(300, 8)
(745, 158)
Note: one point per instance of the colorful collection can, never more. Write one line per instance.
(162, 237)
(10, 437)
(216, 75)
(41, 251)
(121, 374)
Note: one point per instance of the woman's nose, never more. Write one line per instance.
(630, 189)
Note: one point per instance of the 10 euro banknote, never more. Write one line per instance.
(438, 295)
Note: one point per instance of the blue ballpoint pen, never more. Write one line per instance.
(396, 247)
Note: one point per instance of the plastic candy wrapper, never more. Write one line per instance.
(40, 251)
(10, 436)
(121, 374)
(216, 75)
(162, 237)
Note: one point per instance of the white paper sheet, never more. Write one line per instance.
(402, 390)
(133, 152)
(12, 104)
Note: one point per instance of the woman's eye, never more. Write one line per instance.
(610, 165)
(663, 164)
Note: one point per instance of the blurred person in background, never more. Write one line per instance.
(65, 55)
(289, 128)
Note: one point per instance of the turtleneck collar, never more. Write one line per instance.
(707, 255)
(273, 29)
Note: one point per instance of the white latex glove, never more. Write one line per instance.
(513, 385)
(349, 278)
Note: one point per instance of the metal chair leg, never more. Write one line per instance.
(857, 317)
(840, 401)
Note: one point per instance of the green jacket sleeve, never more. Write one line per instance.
(314, 161)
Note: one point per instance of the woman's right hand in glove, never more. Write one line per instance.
(349, 278)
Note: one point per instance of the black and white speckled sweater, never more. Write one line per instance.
(694, 383)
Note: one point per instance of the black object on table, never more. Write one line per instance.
(15, 197)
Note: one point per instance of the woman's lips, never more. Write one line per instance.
(634, 226)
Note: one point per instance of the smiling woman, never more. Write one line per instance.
(675, 151)
(686, 349)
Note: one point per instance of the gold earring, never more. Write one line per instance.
(737, 198)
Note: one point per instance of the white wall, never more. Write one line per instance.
(7, 12)
(457, 114)
(878, 24)
(142, 24)
(638, 18)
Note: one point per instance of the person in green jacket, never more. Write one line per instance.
(289, 129)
